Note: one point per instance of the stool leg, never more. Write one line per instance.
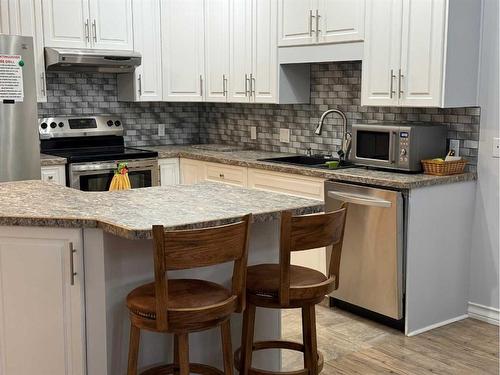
(183, 353)
(133, 349)
(176, 355)
(310, 339)
(227, 349)
(247, 339)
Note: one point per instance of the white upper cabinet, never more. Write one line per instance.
(382, 52)
(240, 51)
(306, 22)
(421, 53)
(296, 22)
(24, 17)
(183, 50)
(66, 23)
(104, 24)
(424, 23)
(264, 78)
(145, 83)
(111, 24)
(216, 50)
(341, 21)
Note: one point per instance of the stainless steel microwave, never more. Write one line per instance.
(397, 146)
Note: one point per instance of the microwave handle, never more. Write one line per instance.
(392, 146)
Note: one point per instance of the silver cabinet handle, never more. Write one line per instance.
(253, 85)
(363, 200)
(43, 88)
(201, 85)
(72, 252)
(311, 22)
(224, 85)
(400, 87)
(392, 83)
(317, 23)
(94, 30)
(139, 80)
(87, 31)
(251, 80)
(246, 84)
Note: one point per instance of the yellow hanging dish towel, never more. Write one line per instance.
(120, 180)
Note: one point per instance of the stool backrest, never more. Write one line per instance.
(307, 232)
(187, 249)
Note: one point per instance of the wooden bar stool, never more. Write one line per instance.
(283, 286)
(181, 306)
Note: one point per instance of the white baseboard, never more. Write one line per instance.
(484, 313)
(436, 325)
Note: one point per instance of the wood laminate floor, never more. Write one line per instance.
(353, 345)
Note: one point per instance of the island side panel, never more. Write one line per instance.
(115, 266)
(438, 255)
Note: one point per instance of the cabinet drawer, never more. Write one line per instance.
(56, 174)
(226, 173)
(302, 186)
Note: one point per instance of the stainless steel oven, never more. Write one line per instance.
(397, 146)
(97, 176)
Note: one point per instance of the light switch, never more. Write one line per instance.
(253, 132)
(285, 135)
(496, 147)
(161, 130)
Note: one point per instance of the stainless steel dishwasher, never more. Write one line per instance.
(371, 267)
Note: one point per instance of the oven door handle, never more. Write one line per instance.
(363, 200)
(93, 167)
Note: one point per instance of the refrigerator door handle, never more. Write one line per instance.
(359, 199)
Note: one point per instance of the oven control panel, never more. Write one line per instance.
(69, 126)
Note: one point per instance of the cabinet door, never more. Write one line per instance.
(421, 79)
(169, 171)
(264, 80)
(341, 21)
(192, 171)
(382, 51)
(111, 24)
(66, 23)
(42, 326)
(55, 174)
(183, 53)
(296, 22)
(216, 50)
(240, 51)
(147, 41)
(25, 18)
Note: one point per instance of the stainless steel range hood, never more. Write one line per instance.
(91, 60)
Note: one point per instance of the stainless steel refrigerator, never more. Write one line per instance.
(19, 140)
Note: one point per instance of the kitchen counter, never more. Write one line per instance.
(250, 159)
(47, 160)
(130, 214)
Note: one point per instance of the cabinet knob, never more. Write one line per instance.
(51, 178)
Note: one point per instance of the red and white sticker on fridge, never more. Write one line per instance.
(11, 78)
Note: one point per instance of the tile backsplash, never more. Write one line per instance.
(333, 85)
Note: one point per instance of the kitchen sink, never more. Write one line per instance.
(309, 161)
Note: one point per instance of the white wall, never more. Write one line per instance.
(484, 275)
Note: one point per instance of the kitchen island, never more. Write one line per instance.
(68, 258)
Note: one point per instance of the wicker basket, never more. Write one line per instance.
(443, 168)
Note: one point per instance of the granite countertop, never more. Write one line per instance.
(131, 213)
(47, 160)
(247, 158)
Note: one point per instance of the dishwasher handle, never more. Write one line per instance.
(363, 200)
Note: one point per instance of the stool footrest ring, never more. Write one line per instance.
(196, 368)
(276, 344)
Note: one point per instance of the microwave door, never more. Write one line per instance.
(375, 148)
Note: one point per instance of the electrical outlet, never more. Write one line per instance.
(285, 135)
(161, 130)
(455, 146)
(496, 147)
(253, 132)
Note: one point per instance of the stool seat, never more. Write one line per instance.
(263, 283)
(199, 296)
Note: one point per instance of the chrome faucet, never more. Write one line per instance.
(346, 136)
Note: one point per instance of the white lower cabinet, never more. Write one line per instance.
(192, 171)
(42, 319)
(169, 171)
(55, 174)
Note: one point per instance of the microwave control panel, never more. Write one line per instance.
(404, 146)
